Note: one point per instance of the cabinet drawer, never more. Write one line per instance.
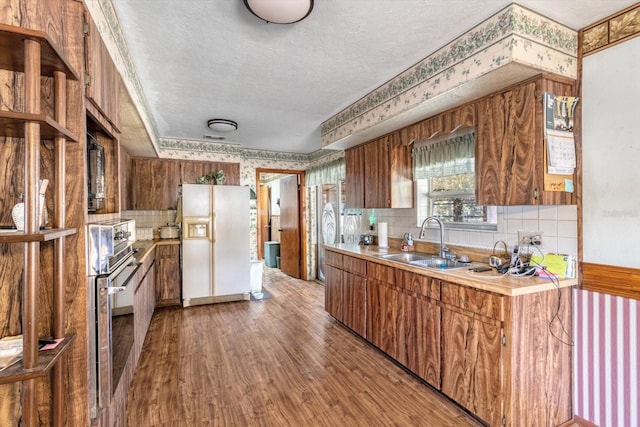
(481, 302)
(333, 259)
(354, 265)
(382, 273)
(423, 285)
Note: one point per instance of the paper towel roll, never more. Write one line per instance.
(383, 238)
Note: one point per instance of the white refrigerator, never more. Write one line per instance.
(215, 244)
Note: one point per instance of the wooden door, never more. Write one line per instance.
(355, 174)
(422, 329)
(377, 194)
(290, 243)
(472, 361)
(382, 312)
(264, 223)
(333, 291)
(354, 294)
(167, 284)
(506, 148)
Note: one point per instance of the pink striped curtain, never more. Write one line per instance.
(606, 359)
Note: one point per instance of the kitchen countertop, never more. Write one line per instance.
(143, 247)
(488, 281)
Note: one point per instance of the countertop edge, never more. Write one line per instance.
(489, 281)
(144, 247)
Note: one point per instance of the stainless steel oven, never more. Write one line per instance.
(111, 269)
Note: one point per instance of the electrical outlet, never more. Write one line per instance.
(529, 237)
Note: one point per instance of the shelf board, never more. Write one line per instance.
(12, 126)
(46, 360)
(12, 52)
(14, 236)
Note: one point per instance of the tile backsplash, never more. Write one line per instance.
(559, 225)
(152, 219)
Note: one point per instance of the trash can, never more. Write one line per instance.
(255, 275)
(277, 262)
(271, 251)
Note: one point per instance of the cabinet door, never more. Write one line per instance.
(154, 184)
(472, 363)
(377, 194)
(384, 309)
(333, 292)
(506, 172)
(167, 286)
(354, 294)
(422, 342)
(354, 182)
(103, 86)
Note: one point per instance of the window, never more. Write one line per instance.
(444, 170)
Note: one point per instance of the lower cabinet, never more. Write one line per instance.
(384, 329)
(333, 291)
(346, 291)
(167, 275)
(472, 359)
(500, 357)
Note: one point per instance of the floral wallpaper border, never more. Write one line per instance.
(514, 34)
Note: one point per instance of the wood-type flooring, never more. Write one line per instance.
(282, 361)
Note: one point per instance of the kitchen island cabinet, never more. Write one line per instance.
(494, 345)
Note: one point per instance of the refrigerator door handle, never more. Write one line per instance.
(212, 226)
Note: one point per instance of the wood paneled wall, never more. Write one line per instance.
(62, 20)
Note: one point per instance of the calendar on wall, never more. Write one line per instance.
(560, 147)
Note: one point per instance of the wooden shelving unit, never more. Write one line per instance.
(33, 53)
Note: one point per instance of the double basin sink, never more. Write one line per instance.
(427, 261)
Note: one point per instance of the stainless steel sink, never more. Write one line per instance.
(407, 257)
(426, 261)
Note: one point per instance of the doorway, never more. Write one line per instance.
(281, 218)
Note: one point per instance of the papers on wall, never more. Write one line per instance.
(558, 134)
(561, 152)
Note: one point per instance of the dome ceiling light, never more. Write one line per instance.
(280, 11)
(222, 125)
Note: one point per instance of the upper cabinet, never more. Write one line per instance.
(510, 146)
(152, 184)
(378, 174)
(102, 79)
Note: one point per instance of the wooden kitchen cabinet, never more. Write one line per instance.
(421, 318)
(102, 80)
(379, 174)
(153, 183)
(472, 362)
(354, 294)
(355, 177)
(510, 145)
(167, 283)
(333, 284)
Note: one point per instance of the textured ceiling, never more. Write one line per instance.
(203, 59)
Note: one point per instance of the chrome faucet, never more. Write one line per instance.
(443, 248)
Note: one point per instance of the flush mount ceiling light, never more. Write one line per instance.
(280, 11)
(222, 125)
